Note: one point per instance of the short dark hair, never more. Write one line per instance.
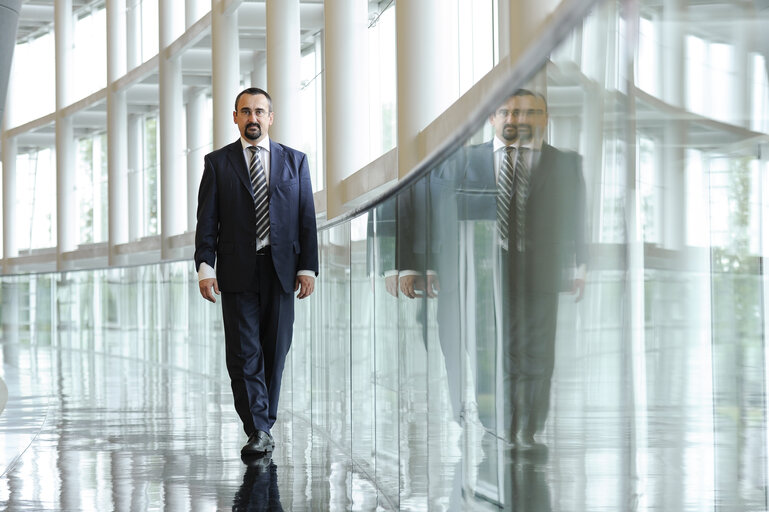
(253, 91)
(527, 92)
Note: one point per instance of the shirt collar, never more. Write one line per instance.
(264, 143)
(498, 144)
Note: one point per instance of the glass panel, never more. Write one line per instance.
(32, 81)
(382, 87)
(91, 189)
(381, 231)
(89, 57)
(36, 204)
(311, 99)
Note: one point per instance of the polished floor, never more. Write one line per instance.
(135, 419)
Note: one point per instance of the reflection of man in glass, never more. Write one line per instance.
(542, 233)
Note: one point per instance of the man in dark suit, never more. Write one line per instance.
(540, 239)
(256, 216)
(545, 252)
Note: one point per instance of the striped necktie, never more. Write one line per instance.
(261, 196)
(505, 193)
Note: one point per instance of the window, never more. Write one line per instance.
(91, 189)
(311, 101)
(36, 193)
(33, 81)
(382, 83)
(89, 57)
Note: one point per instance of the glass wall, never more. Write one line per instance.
(611, 341)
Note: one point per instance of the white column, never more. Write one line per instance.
(741, 61)
(672, 165)
(9, 155)
(173, 177)
(66, 215)
(191, 10)
(283, 61)
(196, 150)
(417, 57)
(259, 73)
(673, 61)
(8, 22)
(10, 247)
(117, 129)
(134, 39)
(226, 71)
(346, 107)
(136, 214)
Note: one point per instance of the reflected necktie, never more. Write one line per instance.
(505, 192)
(261, 199)
(521, 184)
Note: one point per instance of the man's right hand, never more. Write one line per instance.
(205, 288)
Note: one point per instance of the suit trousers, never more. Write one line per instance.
(258, 327)
(528, 350)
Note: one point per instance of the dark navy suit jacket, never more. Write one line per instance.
(226, 227)
(464, 188)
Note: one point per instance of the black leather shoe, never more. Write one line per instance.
(525, 442)
(259, 442)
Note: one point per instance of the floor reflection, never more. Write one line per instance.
(260, 486)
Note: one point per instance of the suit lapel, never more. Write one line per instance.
(276, 164)
(543, 169)
(238, 163)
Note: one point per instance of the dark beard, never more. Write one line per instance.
(258, 132)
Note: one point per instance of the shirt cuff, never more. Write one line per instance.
(390, 273)
(308, 273)
(404, 273)
(581, 272)
(206, 272)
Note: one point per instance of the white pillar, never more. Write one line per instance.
(10, 246)
(225, 83)
(173, 178)
(283, 61)
(191, 10)
(673, 162)
(117, 140)
(134, 39)
(673, 61)
(66, 215)
(417, 57)
(196, 150)
(346, 106)
(259, 73)
(9, 155)
(136, 214)
(741, 75)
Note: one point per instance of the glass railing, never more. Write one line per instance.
(593, 340)
(599, 343)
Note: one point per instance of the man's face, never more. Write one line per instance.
(253, 117)
(530, 117)
(502, 121)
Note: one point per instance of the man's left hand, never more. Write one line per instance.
(305, 285)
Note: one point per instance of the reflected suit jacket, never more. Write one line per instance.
(226, 229)
(464, 189)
